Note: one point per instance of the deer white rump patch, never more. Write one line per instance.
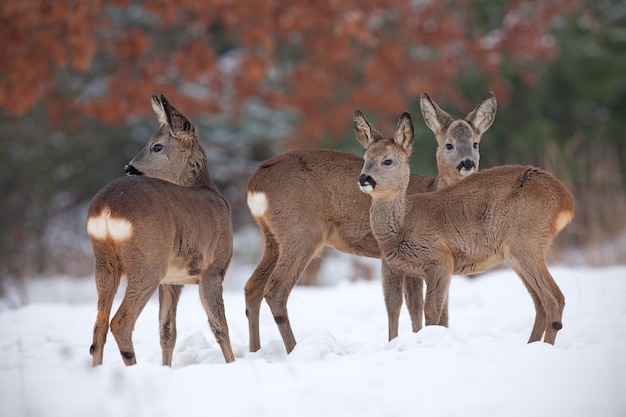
(257, 203)
(104, 226)
(563, 220)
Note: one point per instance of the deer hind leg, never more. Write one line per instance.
(168, 301)
(555, 323)
(414, 295)
(548, 298)
(141, 285)
(255, 288)
(213, 303)
(289, 267)
(107, 273)
(539, 327)
(392, 290)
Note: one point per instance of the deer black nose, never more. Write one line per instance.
(467, 164)
(365, 180)
(131, 170)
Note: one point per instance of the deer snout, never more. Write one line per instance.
(466, 167)
(366, 183)
(131, 170)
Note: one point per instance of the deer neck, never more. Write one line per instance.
(196, 172)
(387, 216)
(442, 182)
(204, 180)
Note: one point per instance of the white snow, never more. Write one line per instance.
(342, 365)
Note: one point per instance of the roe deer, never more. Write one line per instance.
(303, 200)
(164, 225)
(506, 214)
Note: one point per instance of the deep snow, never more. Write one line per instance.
(342, 365)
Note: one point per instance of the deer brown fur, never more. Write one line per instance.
(304, 200)
(163, 226)
(506, 214)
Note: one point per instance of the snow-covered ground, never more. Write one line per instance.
(342, 365)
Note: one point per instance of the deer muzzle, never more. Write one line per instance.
(466, 167)
(366, 183)
(131, 170)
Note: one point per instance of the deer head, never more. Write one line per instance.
(384, 160)
(458, 140)
(172, 152)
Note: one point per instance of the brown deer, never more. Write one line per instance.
(164, 225)
(303, 200)
(506, 214)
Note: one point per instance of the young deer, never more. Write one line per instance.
(303, 200)
(164, 225)
(506, 214)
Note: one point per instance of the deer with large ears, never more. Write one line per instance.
(457, 140)
(164, 225)
(304, 200)
(505, 214)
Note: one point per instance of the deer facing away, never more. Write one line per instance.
(505, 214)
(164, 225)
(303, 200)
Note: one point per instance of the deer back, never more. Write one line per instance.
(503, 209)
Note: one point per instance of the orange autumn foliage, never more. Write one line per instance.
(321, 59)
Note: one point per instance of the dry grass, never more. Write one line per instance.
(597, 235)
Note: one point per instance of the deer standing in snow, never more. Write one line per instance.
(304, 200)
(505, 214)
(164, 225)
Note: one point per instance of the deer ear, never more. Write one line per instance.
(436, 119)
(158, 109)
(404, 132)
(365, 133)
(483, 115)
(179, 125)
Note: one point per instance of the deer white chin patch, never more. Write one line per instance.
(366, 188)
(257, 203)
(104, 226)
(465, 172)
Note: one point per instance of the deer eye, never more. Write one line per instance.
(449, 146)
(387, 162)
(157, 148)
(475, 145)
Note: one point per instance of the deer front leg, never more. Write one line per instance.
(392, 290)
(438, 277)
(168, 301)
(443, 318)
(414, 295)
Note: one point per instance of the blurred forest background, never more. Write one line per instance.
(262, 77)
